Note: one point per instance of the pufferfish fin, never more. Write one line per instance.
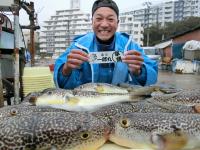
(175, 140)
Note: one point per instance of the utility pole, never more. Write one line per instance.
(29, 8)
(157, 17)
(68, 32)
(16, 8)
(32, 42)
(1, 89)
(147, 12)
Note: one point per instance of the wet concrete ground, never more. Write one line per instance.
(181, 81)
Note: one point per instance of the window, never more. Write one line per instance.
(129, 19)
(122, 20)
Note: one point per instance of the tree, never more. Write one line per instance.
(155, 35)
(170, 29)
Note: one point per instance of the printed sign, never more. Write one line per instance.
(105, 57)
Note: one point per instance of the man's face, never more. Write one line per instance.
(104, 23)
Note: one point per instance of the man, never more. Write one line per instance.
(73, 69)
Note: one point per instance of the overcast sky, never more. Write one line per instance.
(46, 8)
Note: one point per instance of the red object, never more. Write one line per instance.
(51, 67)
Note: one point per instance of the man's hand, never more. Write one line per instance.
(74, 60)
(134, 60)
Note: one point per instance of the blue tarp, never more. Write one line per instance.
(177, 51)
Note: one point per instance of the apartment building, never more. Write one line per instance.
(59, 31)
(191, 8)
(131, 27)
(167, 11)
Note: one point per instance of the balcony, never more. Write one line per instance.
(60, 45)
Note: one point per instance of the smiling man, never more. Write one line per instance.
(73, 68)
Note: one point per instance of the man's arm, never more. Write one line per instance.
(66, 71)
(143, 70)
(74, 60)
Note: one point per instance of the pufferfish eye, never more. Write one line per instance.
(85, 135)
(13, 112)
(49, 92)
(124, 123)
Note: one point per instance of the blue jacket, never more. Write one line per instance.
(89, 72)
